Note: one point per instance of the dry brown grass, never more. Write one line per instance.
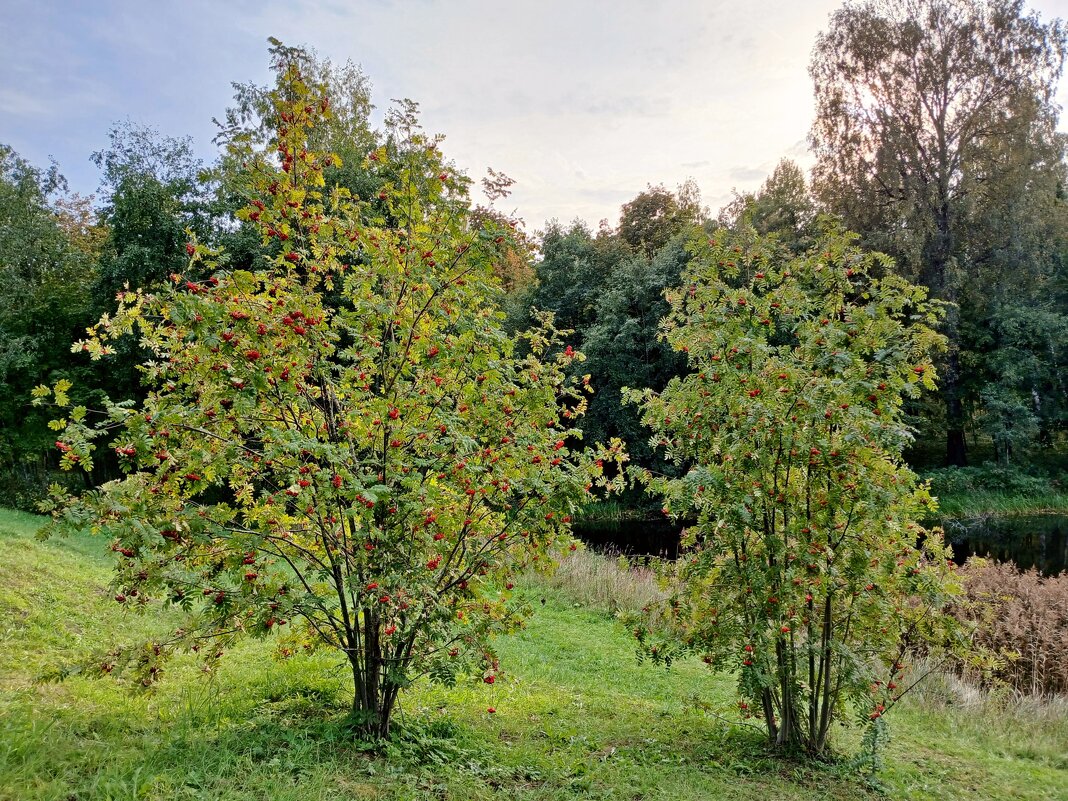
(1024, 616)
(611, 583)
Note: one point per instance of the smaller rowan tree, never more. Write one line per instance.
(806, 571)
(342, 450)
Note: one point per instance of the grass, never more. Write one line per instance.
(1001, 503)
(603, 512)
(607, 583)
(990, 490)
(578, 717)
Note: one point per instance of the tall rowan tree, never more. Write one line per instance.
(252, 120)
(931, 114)
(343, 449)
(807, 572)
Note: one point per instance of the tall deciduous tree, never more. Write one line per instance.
(623, 348)
(654, 216)
(152, 190)
(610, 295)
(932, 114)
(572, 273)
(783, 207)
(47, 270)
(364, 474)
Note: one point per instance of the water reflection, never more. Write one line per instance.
(1039, 541)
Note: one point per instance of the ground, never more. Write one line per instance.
(577, 717)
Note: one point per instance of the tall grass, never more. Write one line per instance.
(989, 490)
(600, 512)
(604, 582)
(999, 503)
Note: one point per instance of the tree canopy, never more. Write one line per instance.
(935, 138)
(47, 271)
(803, 570)
(345, 442)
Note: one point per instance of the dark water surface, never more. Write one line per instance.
(1039, 541)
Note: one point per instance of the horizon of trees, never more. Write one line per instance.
(968, 197)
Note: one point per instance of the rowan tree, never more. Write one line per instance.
(366, 474)
(807, 572)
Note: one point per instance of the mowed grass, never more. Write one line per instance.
(578, 717)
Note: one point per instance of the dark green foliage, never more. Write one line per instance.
(648, 222)
(575, 265)
(608, 289)
(1024, 398)
(935, 137)
(45, 284)
(988, 478)
(783, 207)
(153, 192)
(622, 347)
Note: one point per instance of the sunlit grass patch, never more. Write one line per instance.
(577, 716)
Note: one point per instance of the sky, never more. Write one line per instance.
(583, 103)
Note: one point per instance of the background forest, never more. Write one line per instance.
(939, 150)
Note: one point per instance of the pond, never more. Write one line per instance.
(1039, 541)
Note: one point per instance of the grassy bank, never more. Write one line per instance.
(992, 491)
(607, 512)
(1000, 503)
(577, 718)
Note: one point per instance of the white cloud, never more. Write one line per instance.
(583, 102)
(22, 103)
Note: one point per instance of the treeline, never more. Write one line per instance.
(935, 140)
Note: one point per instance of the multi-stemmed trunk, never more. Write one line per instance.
(375, 687)
(797, 721)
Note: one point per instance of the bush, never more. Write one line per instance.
(343, 449)
(1024, 616)
(804, 573)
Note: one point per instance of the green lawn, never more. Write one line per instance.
(577, 718)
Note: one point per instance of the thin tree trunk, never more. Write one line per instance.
(769, 715)
(943, 286)
(956, 450)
